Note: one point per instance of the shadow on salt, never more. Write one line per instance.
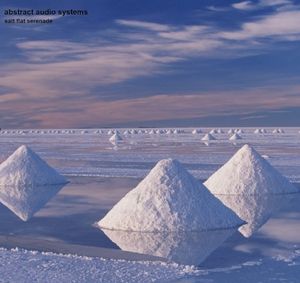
(190, 248)
(256, 209)
(25, 201)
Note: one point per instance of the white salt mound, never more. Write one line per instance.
(235, 137)
(27, 182)
(169, 199)
(115, 138)
(208, 137)
(25, 168)
(248, 173)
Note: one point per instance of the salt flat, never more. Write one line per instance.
(101, 173)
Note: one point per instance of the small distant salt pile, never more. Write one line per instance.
(151, 132)
(196, 131)
(208, 137)
(27, 182)
(278, 131)
(176, 132)
(169, 199)
(235, 137)
(248, 173)
(257, 131)
(220, 131)
(230, 131)
(239, 131)
(115, 138)
(213, 131)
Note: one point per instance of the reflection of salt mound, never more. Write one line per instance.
(25, 201)
(254, 209)
(115, 138)
(169, 199)
(235, 137)
(185, 248)
(25, 168)
(248, 173)
(208, 137)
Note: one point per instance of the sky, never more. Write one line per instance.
(152, 63)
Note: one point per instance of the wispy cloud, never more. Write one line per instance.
(250, 5)
(58, 77)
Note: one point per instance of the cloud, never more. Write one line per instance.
(143, 25)
(249, 5)
(88, 111)
(245, 5)
(278, 25)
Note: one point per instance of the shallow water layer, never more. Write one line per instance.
(69, 218)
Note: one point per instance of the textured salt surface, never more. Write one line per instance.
(169, 199)
(248, 173)
(30, 266)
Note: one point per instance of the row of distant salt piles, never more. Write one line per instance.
(27, 182)
(171, 199)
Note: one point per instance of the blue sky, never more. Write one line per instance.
(143, 63)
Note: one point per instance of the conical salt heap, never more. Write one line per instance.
(169, 199)
(248, 173)
(27, 182)
(25, 168)
(208, 137)
(115, 138)
(235, 137)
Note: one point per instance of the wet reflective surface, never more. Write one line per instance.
(185, 248)
(25, 201)
(255, 209)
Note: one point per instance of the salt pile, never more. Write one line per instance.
(25, 168)
(230, 131)
(169, 199)
(235, 137)
(213, 131)
(196, 131)
(27, 182)
(208, 137)
(248, 173)
(185, 248)
(115, 138)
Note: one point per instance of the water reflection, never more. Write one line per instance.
(185, 247)
(255, 209)
(26, 201)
